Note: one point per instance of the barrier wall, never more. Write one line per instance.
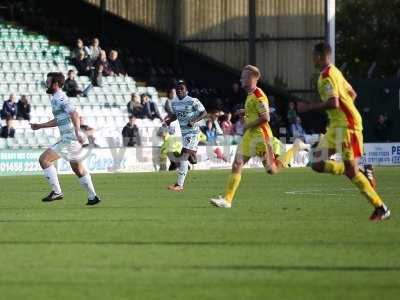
(25, 162)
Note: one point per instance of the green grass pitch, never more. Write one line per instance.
(296, 235)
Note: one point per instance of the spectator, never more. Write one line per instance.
(83, 65)
(135, 107)
(382, 128)
(130, 133)
(9, 113)
(94, 50)
(226, 124)
(236, 98)
(23, 108)
(150, 109)
(211, 133)
(71, 87)
(297, 130)
(116, 64)
(291, 114)
(167, 105)
(239, 125)
(103, 66)
(78, 48)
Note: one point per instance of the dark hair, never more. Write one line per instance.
(180, 82)
(322, 49)
(57, 77)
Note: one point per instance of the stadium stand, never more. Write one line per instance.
(26, 58)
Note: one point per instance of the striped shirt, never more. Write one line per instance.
(62, 107)
(187, 109)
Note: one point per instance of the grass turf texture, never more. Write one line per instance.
(297, 235)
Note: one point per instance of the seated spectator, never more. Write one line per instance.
(23, 108)
(298, 131)
(291, 114)
(150, 109)
(116, 64)
(211, 133)
(75, 53)
(71, 87)
(382, 129)
(167, 105)
(226, 124)
(130, 134)
(83, 65)
(9, 113)
(239, 125)
(94, 50)
(103, 66)
(135, 107)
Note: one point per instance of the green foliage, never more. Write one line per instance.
(368, 31)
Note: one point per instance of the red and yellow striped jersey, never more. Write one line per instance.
(331, 83)
(256, 104)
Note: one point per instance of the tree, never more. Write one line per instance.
(368, 31)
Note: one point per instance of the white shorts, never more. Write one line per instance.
(71, 151)
(190, 141)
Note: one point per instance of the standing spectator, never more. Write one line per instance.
(116, 64)
(239, 125)
(211, 133)
(23, 108)
(382, 128)
(291, 114)
(135, 107)
(167, 105)
(150, 109)
(9, 113)
(298, 130)
(83, 65)
(226, 124)
(78, 48)
(71, 87)
(94, 50)
(130, 134)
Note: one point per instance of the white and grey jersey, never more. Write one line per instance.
(187, 109)
(62, 107)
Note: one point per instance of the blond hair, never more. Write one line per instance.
(253, 71)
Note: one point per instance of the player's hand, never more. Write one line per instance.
(302, 107)
(166, 121)
(80, 139)
(190, 124)
(35, 126)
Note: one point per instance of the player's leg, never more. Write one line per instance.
(352, 151)
(330, 143)
(86, 181)
(46, 161)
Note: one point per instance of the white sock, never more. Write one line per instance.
(51, 175)
(182, 171)
(86, 182)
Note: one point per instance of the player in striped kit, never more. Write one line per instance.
(69, 147)
(188, 111)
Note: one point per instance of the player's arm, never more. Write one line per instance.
(49, 124)
(329, 96)
(77, 125)
(169, 119)
(200, 117)
(331, 103)
(262, 119)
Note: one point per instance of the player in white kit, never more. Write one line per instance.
(69, 147)
(188, 111)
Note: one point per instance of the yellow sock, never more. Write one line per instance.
(366, 189)
(287, 157)
(231, 187)
(333, 167)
